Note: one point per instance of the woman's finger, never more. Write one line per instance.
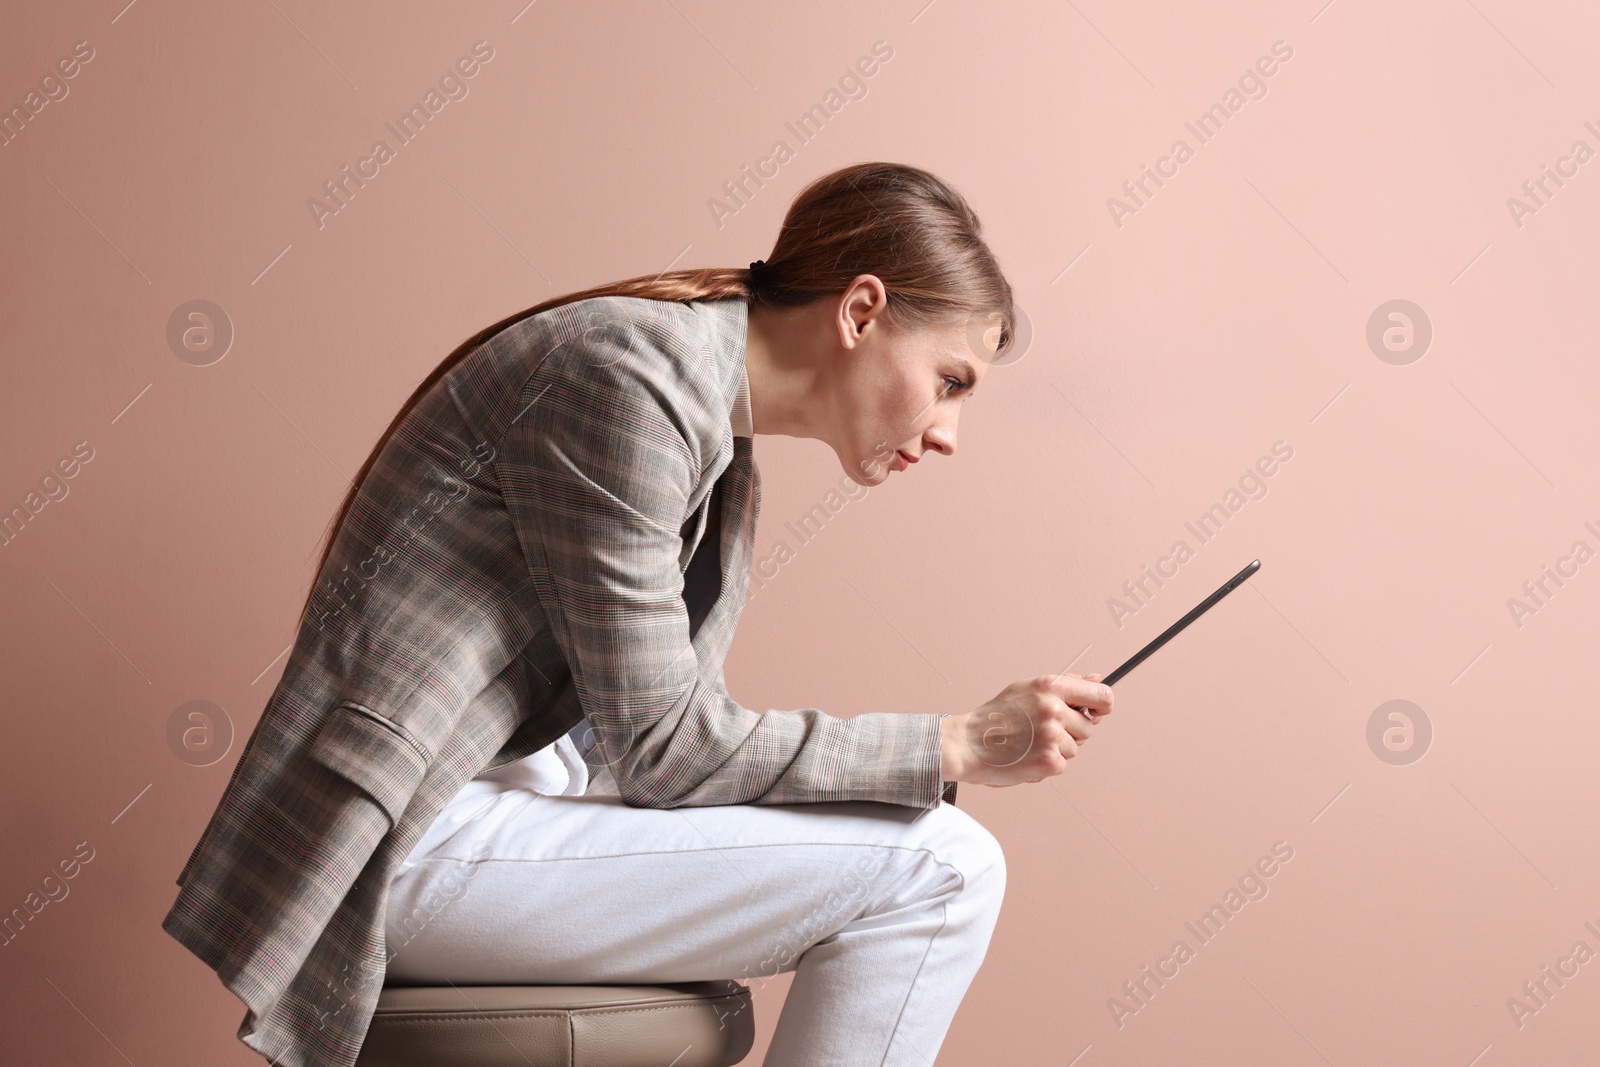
(1079, 722)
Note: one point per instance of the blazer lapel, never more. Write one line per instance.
(702, 579)
(735, 503)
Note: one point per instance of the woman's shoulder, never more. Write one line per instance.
(615, 350)
(671, 328)
(674, 327)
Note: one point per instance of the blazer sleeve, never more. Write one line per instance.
(597, 471)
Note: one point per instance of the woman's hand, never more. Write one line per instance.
(1026, 733)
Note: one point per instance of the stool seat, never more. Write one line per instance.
(694, 1024)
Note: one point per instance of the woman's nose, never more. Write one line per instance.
(942, 438)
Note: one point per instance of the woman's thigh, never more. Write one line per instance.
(557, 889)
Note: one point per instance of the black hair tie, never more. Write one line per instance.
(755, 267)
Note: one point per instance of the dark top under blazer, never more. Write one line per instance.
(513, 562)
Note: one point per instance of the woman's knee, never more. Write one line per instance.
(958, 840)
(988, 859)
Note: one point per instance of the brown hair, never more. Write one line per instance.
(900, 223)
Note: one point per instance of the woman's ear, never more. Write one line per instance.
(861, 308)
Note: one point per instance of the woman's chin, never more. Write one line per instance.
(869, 472)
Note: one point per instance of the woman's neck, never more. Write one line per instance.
(785, 360)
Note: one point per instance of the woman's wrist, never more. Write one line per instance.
(952, 750)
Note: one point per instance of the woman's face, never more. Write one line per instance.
(900, 390)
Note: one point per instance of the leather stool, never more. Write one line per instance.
(695, 1024)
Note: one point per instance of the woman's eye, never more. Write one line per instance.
(952, 384)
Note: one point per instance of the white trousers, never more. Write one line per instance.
(883, 912)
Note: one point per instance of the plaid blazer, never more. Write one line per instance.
(513, 563)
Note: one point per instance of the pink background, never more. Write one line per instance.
(1227, 313)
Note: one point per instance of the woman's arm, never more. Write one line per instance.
(597, 474)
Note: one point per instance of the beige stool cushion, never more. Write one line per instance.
(696, 1024)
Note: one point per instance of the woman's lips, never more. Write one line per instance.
(905, 460)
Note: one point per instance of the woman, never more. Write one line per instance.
(509, 673)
